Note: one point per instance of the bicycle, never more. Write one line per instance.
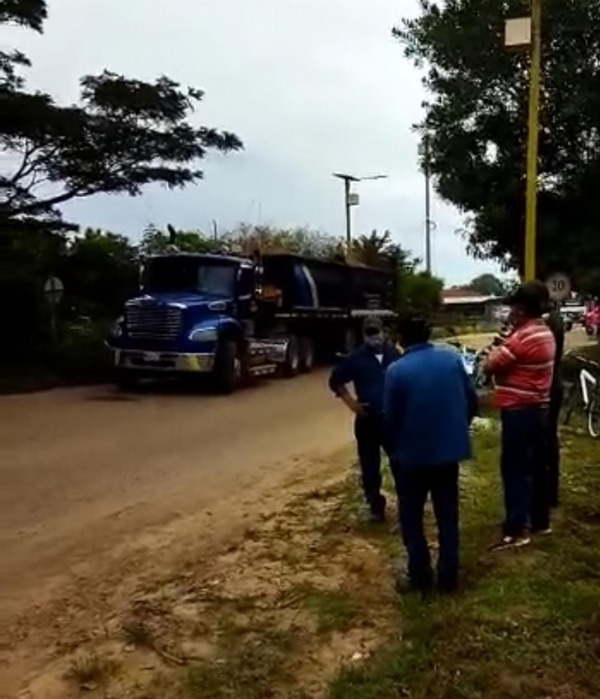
(584, 393)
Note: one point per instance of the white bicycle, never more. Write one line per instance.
(584, 394)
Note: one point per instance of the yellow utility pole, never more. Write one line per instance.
(533, 140)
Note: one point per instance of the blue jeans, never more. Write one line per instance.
(413, 486)
(524, 466)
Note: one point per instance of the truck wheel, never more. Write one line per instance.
(292, 359)
(228, 367)
(350, 341)
(307, 354)
(127, 381)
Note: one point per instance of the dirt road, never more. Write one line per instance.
(86, 473)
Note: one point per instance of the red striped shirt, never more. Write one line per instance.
(523, 366)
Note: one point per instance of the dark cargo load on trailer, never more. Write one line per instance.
(307, 283)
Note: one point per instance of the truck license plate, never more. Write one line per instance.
(151, 357)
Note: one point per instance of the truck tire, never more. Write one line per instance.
(228, 367)
(350, 340)
(307, 354)
(126, 381)
(291, 366)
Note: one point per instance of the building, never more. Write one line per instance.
(464, 304)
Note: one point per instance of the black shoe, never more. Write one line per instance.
(447, 587)
(407, 586)
(378, 511)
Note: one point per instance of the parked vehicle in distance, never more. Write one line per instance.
(234, 317)
(592, 320)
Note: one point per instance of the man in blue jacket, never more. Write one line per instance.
(365, 369)
(429, 403)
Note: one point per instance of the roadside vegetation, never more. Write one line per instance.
(303, 605)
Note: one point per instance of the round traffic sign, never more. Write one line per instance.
(54, 290)
(559, 287)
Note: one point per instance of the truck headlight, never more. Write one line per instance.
(204, 335)
(117, 328)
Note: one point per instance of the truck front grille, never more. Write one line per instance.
(149, 322)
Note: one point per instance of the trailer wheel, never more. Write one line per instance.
(291, 366)
(228, 367)
(126, 381)
(307, 354)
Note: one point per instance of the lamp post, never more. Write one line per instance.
(425, 152)
(351, 199)
(522, 33)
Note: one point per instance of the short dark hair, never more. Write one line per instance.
(532, 297)
(414, 330)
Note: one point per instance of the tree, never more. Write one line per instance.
(419, 292)
(488, 285)
(476, 119)
(99, 271)
(124, 135)
(155, 241)
(247, 239)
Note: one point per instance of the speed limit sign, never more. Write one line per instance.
(559, 287)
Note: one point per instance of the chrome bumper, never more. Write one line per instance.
(164, 361)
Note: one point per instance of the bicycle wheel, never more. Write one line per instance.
(569, 403)
(593, 415)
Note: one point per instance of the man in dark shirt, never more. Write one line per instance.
(365, 368)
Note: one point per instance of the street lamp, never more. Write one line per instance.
(520, 33)
(352, 199)
(425, 152)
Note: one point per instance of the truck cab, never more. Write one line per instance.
(189, 318)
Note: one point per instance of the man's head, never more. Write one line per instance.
(414, 330)
(531, 300)
(373, 332)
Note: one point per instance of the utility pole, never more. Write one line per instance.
(525, 34)
(533, 140)
(428, 222)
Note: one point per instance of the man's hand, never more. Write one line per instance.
(356, 407)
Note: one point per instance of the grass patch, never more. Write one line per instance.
(526, 624)
(251, 669)
(138, 633)
(92, 669)
(334, 610)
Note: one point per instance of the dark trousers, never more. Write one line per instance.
(553, 446)
(524, 466)
(413, 487)
(369, 432)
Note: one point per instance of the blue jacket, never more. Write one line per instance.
(367, 373)
(429, 403)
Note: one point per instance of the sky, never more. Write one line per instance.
(312, 87)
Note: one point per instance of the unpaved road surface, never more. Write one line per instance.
(85, 473)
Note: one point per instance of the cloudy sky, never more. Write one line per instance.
(311, 86)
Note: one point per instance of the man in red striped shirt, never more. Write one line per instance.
(523, 367)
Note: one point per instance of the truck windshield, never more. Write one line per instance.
(189, 274)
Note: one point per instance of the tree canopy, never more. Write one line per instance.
(124, 134)
(476, 118)
(488, 285)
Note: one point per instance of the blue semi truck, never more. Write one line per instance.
(234, 317)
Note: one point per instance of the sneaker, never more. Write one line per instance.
(543, 532)
(511, 542)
